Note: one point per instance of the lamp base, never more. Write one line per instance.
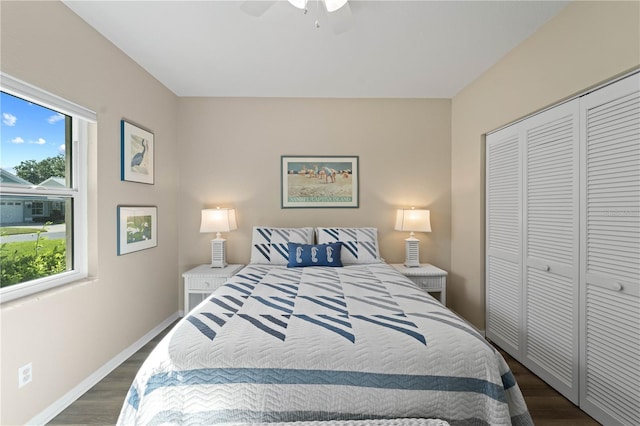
(412, 252)
(218, 253)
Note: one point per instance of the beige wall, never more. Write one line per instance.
(69, 333)
(230, 156)
(426, 153)
(587, 43)
(228, 153)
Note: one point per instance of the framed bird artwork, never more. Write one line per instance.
(137, 154)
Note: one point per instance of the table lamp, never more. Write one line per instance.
(413, 220)
(218, 220)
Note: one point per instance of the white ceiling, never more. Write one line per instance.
(403, 49)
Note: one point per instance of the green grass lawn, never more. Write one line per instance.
(8, 230)
(21, 262)
(28, 247)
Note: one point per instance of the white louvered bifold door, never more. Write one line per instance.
(610, 253)
(503, 240)
(551, 246)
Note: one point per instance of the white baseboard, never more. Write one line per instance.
(66, 400)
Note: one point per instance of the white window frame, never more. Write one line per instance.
(81, 117)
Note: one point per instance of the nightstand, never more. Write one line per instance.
(428, 277)
(202, 280)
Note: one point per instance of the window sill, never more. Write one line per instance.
(20, 301)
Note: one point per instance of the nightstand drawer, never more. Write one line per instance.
(203, 280)
(204, 283)
(427, 277)
(429, 283)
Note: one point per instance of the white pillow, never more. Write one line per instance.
(270, 245)
(359, 245)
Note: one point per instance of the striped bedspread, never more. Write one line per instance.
(360, 342)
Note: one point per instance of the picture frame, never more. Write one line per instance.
(311, 181)
(137, 228)
(137, 154)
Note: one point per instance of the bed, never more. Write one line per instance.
(340, 345)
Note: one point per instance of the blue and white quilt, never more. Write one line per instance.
(278, 344)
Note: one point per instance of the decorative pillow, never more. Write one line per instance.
(359, 245)
(314, 255)
(269, 245)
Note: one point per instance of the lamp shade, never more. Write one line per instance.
(413, 220)
(218, 220)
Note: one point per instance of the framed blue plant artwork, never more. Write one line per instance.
(137, 153)
(137, 228)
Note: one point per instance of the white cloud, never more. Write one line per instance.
(40, 141)
(55, 118)
(17, 139)
(9, 119)
(62, 148)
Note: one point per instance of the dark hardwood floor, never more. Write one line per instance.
(546, 406)
(101, 404)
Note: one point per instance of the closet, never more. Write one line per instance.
(563, 248)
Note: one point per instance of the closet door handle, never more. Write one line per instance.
(545, 268)
(614, 286)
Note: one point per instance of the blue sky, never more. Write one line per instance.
(28, 132)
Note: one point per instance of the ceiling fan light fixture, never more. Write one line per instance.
(333, 5)
(300, 4)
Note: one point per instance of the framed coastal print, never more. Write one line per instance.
(137, 228)
(319, 181)
(137, 153)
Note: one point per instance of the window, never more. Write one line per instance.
(43, 186)
(37, 208)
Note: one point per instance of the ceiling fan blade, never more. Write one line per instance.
(256, 8)
(341, 20)
(333, 5)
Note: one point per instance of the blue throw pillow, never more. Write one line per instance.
(314, 255)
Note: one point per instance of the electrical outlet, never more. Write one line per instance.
(25, 374)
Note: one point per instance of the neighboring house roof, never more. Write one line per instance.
(8, 177)
(55, 182)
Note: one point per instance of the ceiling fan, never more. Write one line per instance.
(338, 11)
